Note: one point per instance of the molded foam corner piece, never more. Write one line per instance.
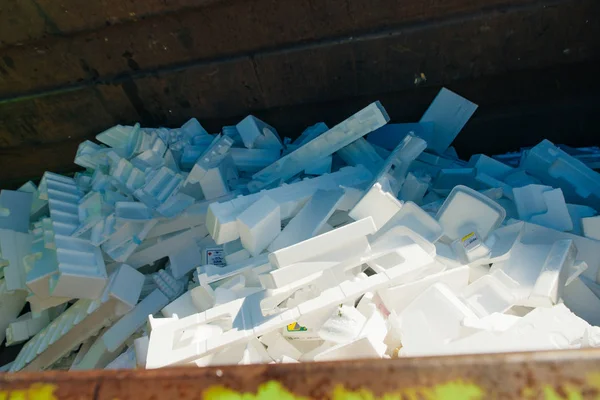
(388, 136)
(126, 239)
(554, 167)
(309, 219)
(544, 206)
(258, 134)
(449, 113)
(11, 304)
(81, 321)
(259, 225)
(63, 197)
(106, 347)
(81, 272)
(490, 294)
(221, 217)
(161, 192)
(368, 119)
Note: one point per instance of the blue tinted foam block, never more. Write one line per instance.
(365, 121)
(389, 136)
(14, 210)
(449, 113)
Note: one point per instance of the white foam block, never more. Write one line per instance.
(322, 244)
(259, 224)
(310, 219)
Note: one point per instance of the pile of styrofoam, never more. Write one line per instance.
(366, 240)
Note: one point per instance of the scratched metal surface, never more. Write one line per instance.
(541, 375)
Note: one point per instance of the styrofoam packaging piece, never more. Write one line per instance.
(388, 136)
(413, 217)
(81, 321)
(368, 119)
(578, 213)
(541, 329)
(310, 133)
(490, 166)
(15, 208)
(361, 152)
(118, 136)
(591, 227)
(490, 294)
(25, 327)
(396, 166)
(466, 210)
(378, 203)
(579, 183)
(582, 301)
(256, 133)
(208, 274)
(322, 244)
(343, 325)
(280, 348)
(11, 304)
(141, 350)
(253, 160)
(14, 246)
(185, 260)
(153, 250)
(364, 347)
(434, 318)
(107, 345)
(396, 298)
(309, 219)
(125, 360)
(449, 113)
(320, 167)
(81, 270)
(544, 206)
(587, 249)
(259, 225)
(495, 322)
(39, 207)
(414, 188)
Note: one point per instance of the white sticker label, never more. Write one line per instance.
(470, 241)
(215, 256)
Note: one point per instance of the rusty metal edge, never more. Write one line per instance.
(554, 374)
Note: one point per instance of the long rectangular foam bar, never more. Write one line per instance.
(81, 321)
(162, 247)
(449, 113)
(221, 217)
(323, 243)
(367, 120)
(106, 346)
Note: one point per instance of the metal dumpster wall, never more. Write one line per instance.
(68, 71)
(544, 375)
